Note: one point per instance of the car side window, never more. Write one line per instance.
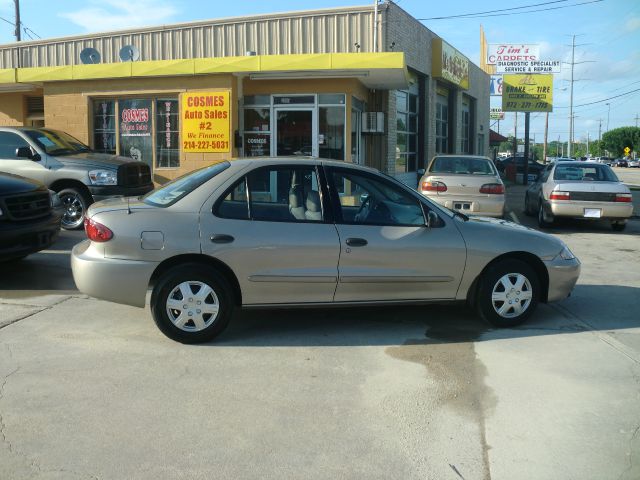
(367, 200)
(545, 174)
(234, 202)
(9, 143)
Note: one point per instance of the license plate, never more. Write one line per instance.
(461, 206)
(592, 212)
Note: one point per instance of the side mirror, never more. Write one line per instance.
(24, 152)
(432, 219)
(421, 171)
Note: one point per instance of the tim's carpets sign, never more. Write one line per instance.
(206, 122)
(449, 64)
(512, 52)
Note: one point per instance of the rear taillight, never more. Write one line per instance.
(96, 232)
(560, 196)
(623, 197)
(433, 187)
(492, 188)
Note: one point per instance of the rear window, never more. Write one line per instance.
(588, 173)
(462, 166)
(182, 186)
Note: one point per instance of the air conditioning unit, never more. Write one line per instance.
(372, 122)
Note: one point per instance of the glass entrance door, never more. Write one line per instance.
(295, 132)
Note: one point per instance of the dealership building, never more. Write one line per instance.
(370, 87)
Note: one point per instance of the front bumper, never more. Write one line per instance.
(576, 209)
(18, 239)
(112, 279)
(102, 192)
(563, 275)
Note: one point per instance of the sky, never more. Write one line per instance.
(607, 34)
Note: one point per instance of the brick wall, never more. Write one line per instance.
(12, 109)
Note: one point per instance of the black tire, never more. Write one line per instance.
(527, 207)
(193, 275)
(618, 226)
(542, 221)
(75, 203)
(491, 282)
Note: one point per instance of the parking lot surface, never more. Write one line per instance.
(90, 389)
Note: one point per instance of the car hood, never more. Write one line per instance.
(502, 236)
(12, 184)
(94, 159)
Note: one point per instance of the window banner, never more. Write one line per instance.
(135, 130)
(206, 121)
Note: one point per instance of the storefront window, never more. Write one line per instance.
(167, 135)
(442, 124)
(104, 126)
(257, 132)
(406, 129)
(331, 132)
(135, 120)
(137, 129)
(466, 124)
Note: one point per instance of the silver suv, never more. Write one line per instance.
(67, 166)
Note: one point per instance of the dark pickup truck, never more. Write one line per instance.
(71, 169)
(30, 216)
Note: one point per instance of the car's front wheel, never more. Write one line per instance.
(192, 304)
(508, 293)
(75, 204)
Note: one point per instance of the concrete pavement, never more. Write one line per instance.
(90, 389)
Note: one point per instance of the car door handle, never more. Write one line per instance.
(356, 242)
(221, 238)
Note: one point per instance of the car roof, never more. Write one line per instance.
(242, 161)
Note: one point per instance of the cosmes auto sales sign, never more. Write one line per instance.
(206, 122)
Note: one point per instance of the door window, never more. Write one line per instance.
(365, 199)
(294, 132)
(9, 143)
(234, 203)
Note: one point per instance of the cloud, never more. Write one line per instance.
(632, 24)
(121, 14)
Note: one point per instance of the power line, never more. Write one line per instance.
(512, 13)
(492, 11)
(604, 100)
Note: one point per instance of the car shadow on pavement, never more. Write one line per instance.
(590, 308)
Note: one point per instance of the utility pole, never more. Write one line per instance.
(546, 132)
(636, 119)
(17, 31)
(573, 51)
(525, 175)
(587, 144)
(608, 112)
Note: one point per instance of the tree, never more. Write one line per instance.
(617, 139)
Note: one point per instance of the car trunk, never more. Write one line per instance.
(463, 185)
(591, 191)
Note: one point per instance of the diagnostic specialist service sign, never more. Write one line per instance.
(206, 122)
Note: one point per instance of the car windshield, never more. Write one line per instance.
(589, 173)
(462, 166)
(180, 187)
(55, 143)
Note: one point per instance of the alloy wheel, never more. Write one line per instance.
(73, 215)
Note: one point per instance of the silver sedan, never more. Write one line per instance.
(294, 232)
(586, 190)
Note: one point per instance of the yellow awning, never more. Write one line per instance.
(385, 70)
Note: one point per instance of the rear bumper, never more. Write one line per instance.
(489, 206)
(18, 239)
(102, 192)
(563, 275)
(576, 209)
(115, 280)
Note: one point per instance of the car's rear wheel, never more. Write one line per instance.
(75, 204)
(545, 219)
(192, 304)
(508, 293)
(527, 205)
(618, 226)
